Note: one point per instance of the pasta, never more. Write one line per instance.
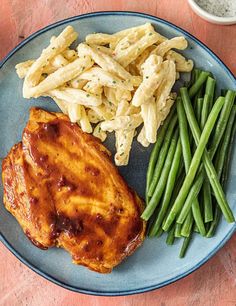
(153, 74)
(57, 78)
(111, 82)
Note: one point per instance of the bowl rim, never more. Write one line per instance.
(202, 12)
(11, 248)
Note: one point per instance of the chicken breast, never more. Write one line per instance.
(62, 187)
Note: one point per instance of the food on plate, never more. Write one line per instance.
(123, 83)
(188, 169)
(111, 82)
(63, 189)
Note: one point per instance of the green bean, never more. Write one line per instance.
(192, 120)
(159, 232)
(208, 224)
(185, 246)
(181, 168)
(192, 195)
(195, 228)
(199, 82)
(176, 190)
(183, 127)
(191, 201)
(161, 215)
(187, 225)
(149, 225)
(205, 110)
(156, 149)
(225, 143)
(179, 202)
(207, 103)
(162, 156)
(217, 189)
(210, 86)
(183, 132)
(196, 74)
(197, 215)
(224, 175)
(168, 191)
(163, 178)
(222, 122)
(207, 200)
(228, 156)
(171, 236)
(178, 230)
(199, 109)
(214, 223)
(210, 170)
(199, 93)
(222, 154)
(210, 90)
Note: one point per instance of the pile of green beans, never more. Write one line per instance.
(189, 163)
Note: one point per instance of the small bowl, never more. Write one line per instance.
(210, 17)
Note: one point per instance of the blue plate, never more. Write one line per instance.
(154, 264)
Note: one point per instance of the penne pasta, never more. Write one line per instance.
(93, 116)
(105, 61)
(122, 122)
(76, 96)
(61, 104)
(142, 138)
(58, 78)
(70, 55)
(23, 68)
(142, 58)
(74, 112)
(163, 93)
(154, 72)
(58, 45)
(103, 49)
(105, 78)
(182, 65)
(59, 61)
(100, 39)
(84, 121)
(77, 83)
(150, 120)
(138, 32)
(176, 43)
(99, 133)
(129, 51)
(103, 112)
(94, 88)
(165, 109)
(115, 81)
(124, 141)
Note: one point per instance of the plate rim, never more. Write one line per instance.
(11, 248)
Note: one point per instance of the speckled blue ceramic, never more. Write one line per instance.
(154, 264)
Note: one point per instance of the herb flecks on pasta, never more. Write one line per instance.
(111, 82)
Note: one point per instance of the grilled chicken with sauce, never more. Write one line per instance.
(61, 186)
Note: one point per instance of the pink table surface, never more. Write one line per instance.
(215, 282)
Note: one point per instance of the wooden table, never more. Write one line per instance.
(214, 283)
